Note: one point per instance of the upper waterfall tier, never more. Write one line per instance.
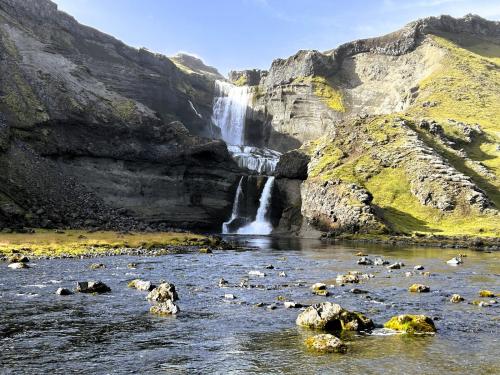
(261, 160)
(229, 111)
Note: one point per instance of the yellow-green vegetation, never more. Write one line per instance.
(411, 324)
(467, 89)
(392, 193)
(325, 90)
(241, 81)
(18, 98)
(75, 242)
(125, 109)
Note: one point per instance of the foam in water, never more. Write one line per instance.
(236, 204)
(229, 111)
(261, 225)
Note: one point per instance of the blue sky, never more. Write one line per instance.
(238, 34)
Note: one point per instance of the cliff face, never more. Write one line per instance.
(402, 130)
(91, 126)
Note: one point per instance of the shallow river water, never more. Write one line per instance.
(42, 333)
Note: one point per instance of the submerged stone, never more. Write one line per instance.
(411, 324)
(325, 343)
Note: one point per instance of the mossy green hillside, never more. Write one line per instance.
(325, 90)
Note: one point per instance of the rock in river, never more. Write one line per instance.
(411, 324)
(18, 266)
(486, 293)
(330, 316)
(97, 266)
(348, 278)
(419, 288)
(165, 308)
(163, 293)
(455, 261)
(92, 287)
(18, 258)
(143, 285)
(365, 261)
(456, 298)
(325, 343)
(63, 292)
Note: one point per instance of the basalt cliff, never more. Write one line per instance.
(396, 134)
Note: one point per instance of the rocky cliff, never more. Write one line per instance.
(93, 131)
(402, 130)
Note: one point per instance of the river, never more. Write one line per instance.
(41, 332)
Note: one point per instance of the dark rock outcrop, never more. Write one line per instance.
(94, 133)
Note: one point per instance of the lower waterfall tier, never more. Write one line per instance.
(261, 160)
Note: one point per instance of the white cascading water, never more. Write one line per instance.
(229, 113)
(236, 204)
(261, 225)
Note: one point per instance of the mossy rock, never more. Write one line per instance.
(487, 294)
(411, 324)
(419, 288)
(325, 343)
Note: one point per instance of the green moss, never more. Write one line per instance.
(411, 324)
(125, 109)
(241, 81)
(75, 243)
(325, 90)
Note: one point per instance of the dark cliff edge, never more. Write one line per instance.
(98, 134)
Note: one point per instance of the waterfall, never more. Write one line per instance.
(229, 111)
(236, 205)
(261, 225)
(229, 115)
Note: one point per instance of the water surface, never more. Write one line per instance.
(41, 332)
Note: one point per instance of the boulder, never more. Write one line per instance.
(143, 285)
(395, 266)
(347, 278)
(419, 288)
(92, 287)
(411, 324)
(96, 266)
(365, 261)
(18, 258)
(229, 296)
(223, 283)
(325, 343)
(455, 261)
(292, 305)
(205, 250)
(332, 317)
(486, 294)
(63, 292)
(18, 266)
(456, 298)
(162, 293)
(380, 262)
(418, 267)
(293, 165)
(256, 273)
(165, 308)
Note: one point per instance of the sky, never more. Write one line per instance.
(241, 34)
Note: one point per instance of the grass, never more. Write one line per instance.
(76, 242)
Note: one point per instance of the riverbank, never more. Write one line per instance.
(44, 243)
(440, 241)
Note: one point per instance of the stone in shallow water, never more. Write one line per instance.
(18, 258)
(18, 265)
(348, 278)
(419, 288)
(331, 316)
(455, 261)
(163, 293)
(486, 293)
(365, 261)
(282, 274)
(418, 267)
(257, 273)
(325, 343)
(380, 262)
(63, 292)
(229, 296)
(223, 283)
(164, 308)
(96, 266)
(143, 285)
(92, 287)
(411, 324)
(456, 298)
